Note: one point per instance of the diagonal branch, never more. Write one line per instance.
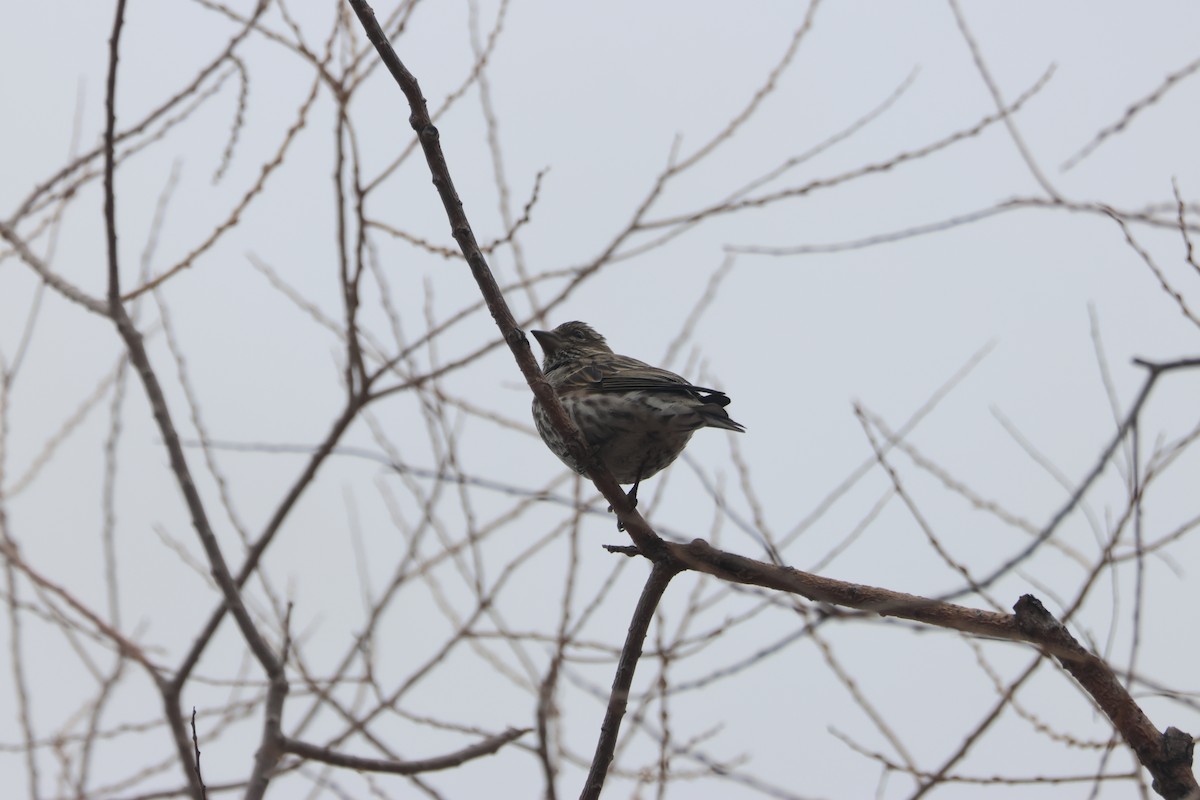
(1156, 370)
(637, 527)
(272, 665)
(52, 279)
(1167, 756)
(618, 699)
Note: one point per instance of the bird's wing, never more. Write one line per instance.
(624, 374)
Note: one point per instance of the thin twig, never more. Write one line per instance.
(196, 746)
(1134, 109)
(326, 756)
(1155, 371)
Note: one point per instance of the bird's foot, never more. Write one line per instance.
(632, 495)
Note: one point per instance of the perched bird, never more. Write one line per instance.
(636, 418)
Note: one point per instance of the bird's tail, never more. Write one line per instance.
(715, 416)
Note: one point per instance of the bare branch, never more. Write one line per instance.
(327, 756)
(1168, 755)
(428, 135)
(1130, 113)
(656, 584)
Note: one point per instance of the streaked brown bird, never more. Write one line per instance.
(636, 418)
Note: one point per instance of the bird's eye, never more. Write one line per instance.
(580, 335)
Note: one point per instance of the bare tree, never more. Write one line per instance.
(332, 558)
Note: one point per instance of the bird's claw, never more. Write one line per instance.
(633, 500)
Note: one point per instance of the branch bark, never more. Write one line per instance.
(638, 529)
(134, 342)
(1167, 756)
(618, 699)
(325, 755)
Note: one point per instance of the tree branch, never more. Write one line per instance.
(1165, 756)
(618, 699)
(140, 359)
(326, 756)
(637, 527)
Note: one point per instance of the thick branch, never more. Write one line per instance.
(618, 699)
(1164, 756)
(699, 556)
(1167, 755)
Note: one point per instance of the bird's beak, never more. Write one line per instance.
(548, 340)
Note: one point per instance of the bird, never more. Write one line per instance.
(636, 418)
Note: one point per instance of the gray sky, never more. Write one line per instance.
(806, 323)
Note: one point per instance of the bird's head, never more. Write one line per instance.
(569, 342)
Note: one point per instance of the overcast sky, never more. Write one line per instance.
(809, 318)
